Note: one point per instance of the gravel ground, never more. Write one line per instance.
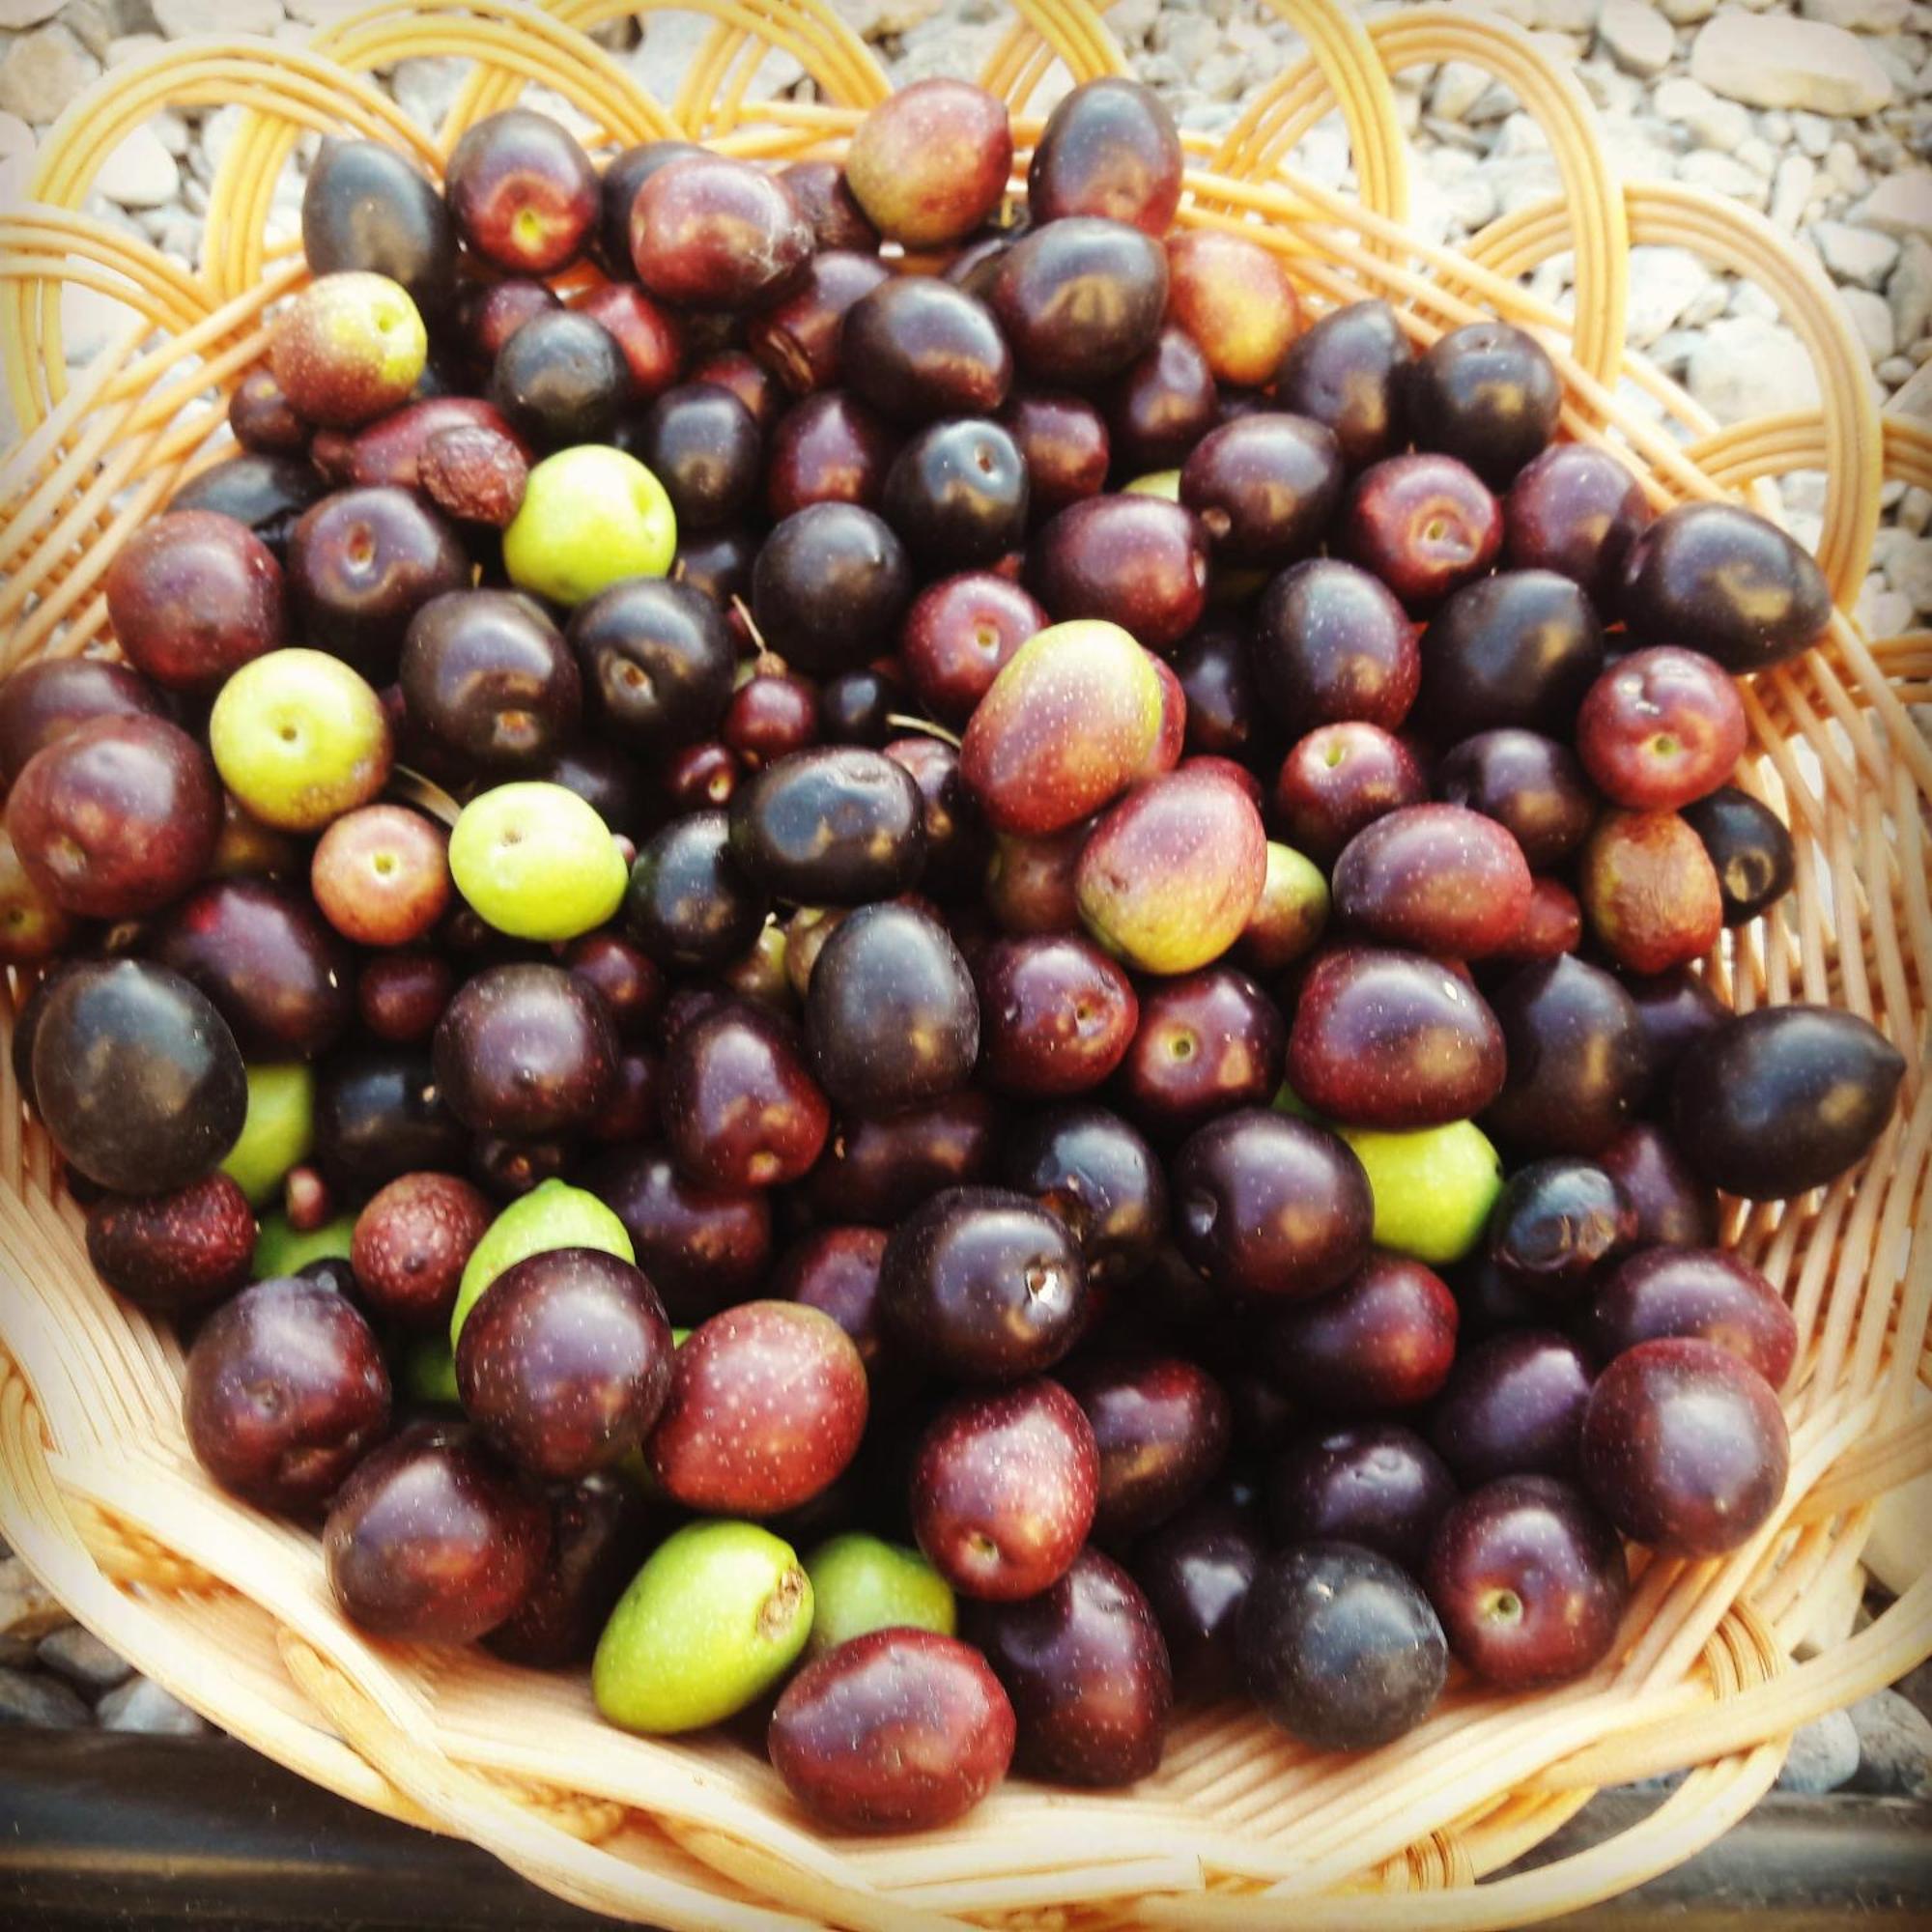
(1818, 115)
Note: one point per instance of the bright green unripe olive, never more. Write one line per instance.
(1433, 1189)
(535, 861)
(277, 1132)
(553, 1214)
(591, 517)
(717, 1615)
(427, 1371)
(1164, 483)
(862, 1583)
(280, 1250)
(300, 738)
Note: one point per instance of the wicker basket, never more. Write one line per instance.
(229, 1609)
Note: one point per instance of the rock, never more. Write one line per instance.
(140, 173)
(43, 72)
(18, 1653)
(1635, 158)
(1687, 13)
(1757, 155)
(1872, 320)
(1457, 88)
(1895, 370)
(670, 44)
(1914, 511)
(1635, 35)
(28, 1609)
(1894, 1746)
(127, 47)
(1812, 132)
(1860, 256)
(142, 1705)
(1612, 90)
(178, 19)
(84, 1661)
(44, 1703)
(1901, 204)
(1664, 282)
(1724, 175)
(426, 87)
(1909, 571)
(17, 14)
(1743, 367)
(1880, 613)
(1783, 62)
(1906, 1548)
(1747, 298)
(16, 140)
(1563, 17)
(89, 320)
(321, 13)
(1823, 1754)
(1711, 123)
(1791, 188)
(1863, 16)
(1845, 170)
(1131, 22)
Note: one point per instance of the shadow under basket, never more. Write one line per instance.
(1242, 1827)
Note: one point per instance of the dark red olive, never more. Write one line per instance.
(176, 1250)
(1108, 149)
(1579, 1060)
(1162, 1425)
(1488, 393)
(600, 1535)
(526, 1050)
(1384, 1338)
(1094, 1171)
(1163, 405)
(1330, 643)
(1750, 848)
(702, 1247)
(1207, 1043)
(1673, 1206)
(1064, 443)
(1576, 509)
(1265, 487)
(918, 349)
(1080, 298)
(1349, 370)
(829, 448)
(1136, 561)
(1513, 1406)
(1707, 1294)
(740, 1108)
(1377, 1484)
(1195, 1570)
(1423, 524)
(1055, 1015)
(1556, 1223)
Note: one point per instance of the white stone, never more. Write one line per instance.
(1637, 36)
(1687, 13)
(1915, 510)
(426, 86)
(1901, 204)
(1909, 289)
(1748, 300)
(1724, 174)
(1711, 123)
(1757, 154)
(1812, 132)
(140, 172)
(1564, 16)
(1872, 320)
(1790, 190)
(1520, 135)
(1636, 157)
(126, 47)
(42, 72)
(1612, 90)
(1830, 1614)
(1895, 370)
(14, 15)
(1783, 62)
(1131, 22)
(28, 1609)
(89, 320)
(1457, 88)
(1908, 569)
(1894, 1746)
(1823, 1754)
(141, 1705)
(17, 139)
(83, 1660)
(1866, 16)
(1664, 282)
(1860, 256)
(1880, 613)
(1743, 368)
(322, 13)
(178, 19)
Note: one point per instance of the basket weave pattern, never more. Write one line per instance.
(229, 1609)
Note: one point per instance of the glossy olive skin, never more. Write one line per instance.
(983, 1285)
(1488, 393)
(702, 1247)
(522, 192)
(525, 1050)
(657, 663)
(1086, 1666)
(1095, 1172)
(1350, 370)
(285, 1393)
(116, 817)
(1265, 487)
(1520, 649)
(367, 207)
(767, 1405)
(1266, 1204)
(1002, 1490)
(799, 338)
(1055, 1015)
(1556, 1223)
(489, 312)
(856, 707)
(626, 173)
(1162, 405)
(1750, 847)
(629, 982)
(1707, 1294)
(1382, 1039)
(1437, 878)
(1531, 786)
(1217, 682)
(173, 1251)
(703, 444)
(1776, 1103)
(561, 379)
(1677, 1010)
(715, 565)
(192, 596)
(713, 233)
(1377, 1484)
(1424, 524)
(136, 1076)
(1065, 445)
(276, 972)
(919, 349)
(600, 1535)
(1576, 510)
(565, 1362)
(410, 1244)
(1340, 1647)
(1162, 1425)
(1384, 1338)
(740, 1109)
(837, 825)
(828, 204)
(1529, 1580)
(48, 697)
(432, 1540)
(771, 715)
(1030, 883)
(688, 903)
(1339, 779)
(836, 1270)
(1685, 1447)
(829, 448)
(1108, 149)
(1195, 1570)
(829, 587)
(1723, 577)
(1136, 561)
(605, 779)
(1578, 1061)
(1205, 1043)
(877, 1170)
(361, 563)
(956, 840)
(380, 1113)
(1080, 298)
(897, 1730)
(1513, 1406)
(957, 493)
(1674, 1207)
(1331, 644)
(491, 680)
(891, 1015)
